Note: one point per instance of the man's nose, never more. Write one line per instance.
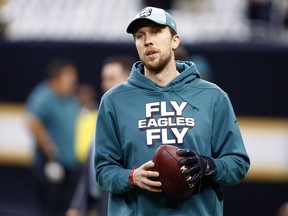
(148, 40)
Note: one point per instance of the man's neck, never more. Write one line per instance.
(164, 77)
(56, 88)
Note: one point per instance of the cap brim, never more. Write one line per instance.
(131, 27)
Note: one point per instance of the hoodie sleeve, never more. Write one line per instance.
(228, 150)
(110, 173)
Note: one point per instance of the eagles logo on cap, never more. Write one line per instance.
(156, 15)
(145, 12)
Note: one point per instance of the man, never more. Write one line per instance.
(166, 103)
(53, 110)
(115, 70)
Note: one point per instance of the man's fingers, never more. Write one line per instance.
(152, 183)
(143, 176)
(149, 174)
(188, 160)
(153, 186)
(185, 152)
(148, 165)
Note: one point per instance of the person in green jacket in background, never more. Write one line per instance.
(165, 102)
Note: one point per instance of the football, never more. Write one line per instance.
(173, 181)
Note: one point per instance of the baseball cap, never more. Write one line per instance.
(153, 14)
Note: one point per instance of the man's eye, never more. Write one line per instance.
(139, 36)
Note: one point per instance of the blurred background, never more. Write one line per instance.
(241, 45)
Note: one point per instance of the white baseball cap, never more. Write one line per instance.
(153, 14)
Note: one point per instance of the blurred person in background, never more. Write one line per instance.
(283, 210)
(86, 197)
(89, 199)
(181, 53)
(203, 66)
(115, 70)
(52, 113)
(87, 97)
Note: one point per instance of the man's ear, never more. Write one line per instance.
(175, 41)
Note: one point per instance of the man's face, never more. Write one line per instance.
(155, 46)
(67, 80)
(112, 74)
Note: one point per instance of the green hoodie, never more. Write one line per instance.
(138, 116)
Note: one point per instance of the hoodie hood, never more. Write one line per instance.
(187, 69)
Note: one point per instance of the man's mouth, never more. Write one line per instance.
(151, 53)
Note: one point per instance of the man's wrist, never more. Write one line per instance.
(210, 167)
(131, 179)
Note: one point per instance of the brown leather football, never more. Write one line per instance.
(173, 181)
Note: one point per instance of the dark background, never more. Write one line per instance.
(254, 76)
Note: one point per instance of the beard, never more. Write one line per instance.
(157, 65)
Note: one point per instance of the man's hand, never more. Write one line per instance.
(42, 137)
(73, 212)
(195, 166)
(142, 175)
